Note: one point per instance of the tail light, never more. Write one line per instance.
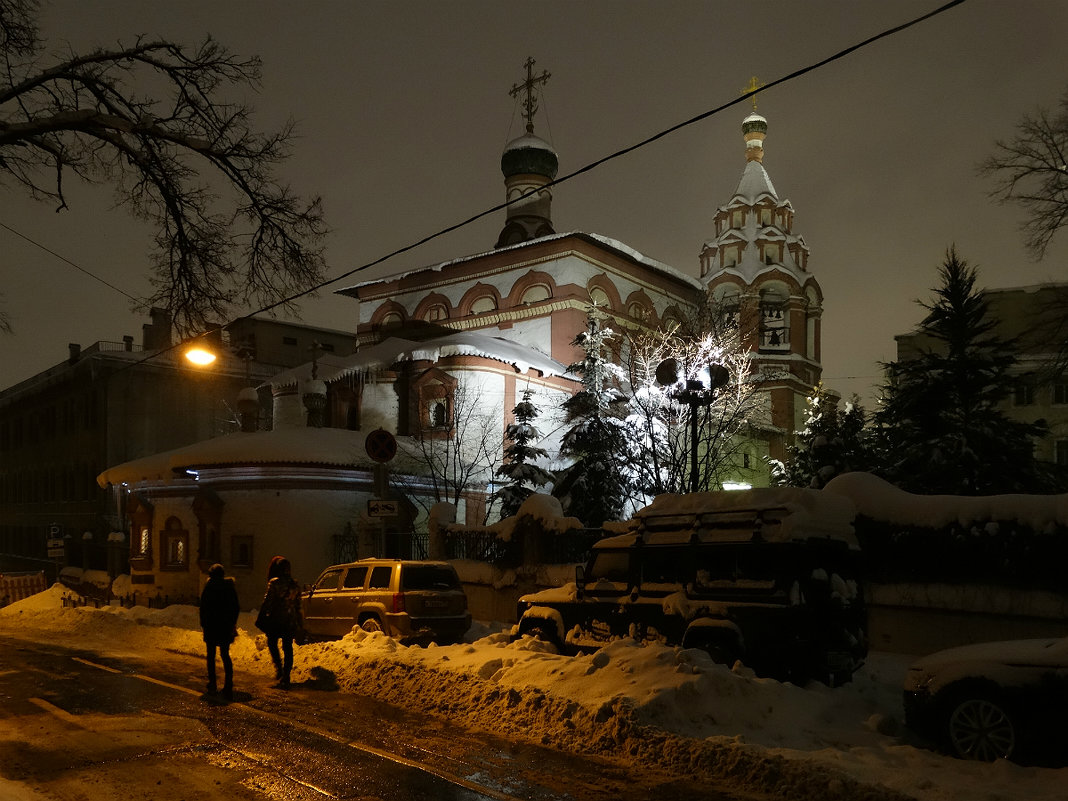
(398, 602)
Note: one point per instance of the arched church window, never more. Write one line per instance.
(774, 320)
(599, 297)
(638, 311)
(486, 303)
(435, 313)
(175, 545)
(536, 294)
(392, 318)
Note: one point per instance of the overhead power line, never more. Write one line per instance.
(581, 171)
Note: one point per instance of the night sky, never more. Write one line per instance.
(403, 110)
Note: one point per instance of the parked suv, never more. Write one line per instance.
(767, 576)
(415, 601)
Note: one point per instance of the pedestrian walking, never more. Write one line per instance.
(219, 609)
(280, 618)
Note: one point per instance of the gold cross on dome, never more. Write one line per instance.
(752, 87)
(530, 102)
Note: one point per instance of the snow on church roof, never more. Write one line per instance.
(306, 446)
(395, 349)
(604, 241)
(755, 183)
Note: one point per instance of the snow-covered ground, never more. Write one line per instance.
(668, 708)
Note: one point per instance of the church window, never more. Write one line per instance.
(599, 297)
(392, 318)
(175, 545)
(241, 551)
(774, 320)
(765, 216)
(438, 415)
(536, 294)
(638, 311)
(144, 542)
(436, 312)
(486, 303)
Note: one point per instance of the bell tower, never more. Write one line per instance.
(757, 269)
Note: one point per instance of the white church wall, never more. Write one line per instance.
(380, 407)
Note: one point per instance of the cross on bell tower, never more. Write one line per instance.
(530, 102)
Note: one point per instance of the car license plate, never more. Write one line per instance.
(435, 603)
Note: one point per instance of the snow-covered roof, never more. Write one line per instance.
(810, 514)
(604, 241)
(307, 446)
(370, 360)
(755, 183)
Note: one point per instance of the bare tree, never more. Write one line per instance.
(1031, 170)
(712, 336)
(185, 159)
(456, 461)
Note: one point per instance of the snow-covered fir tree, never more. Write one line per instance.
(524, 476)
(833, 441)
(939, 427)
(596, 487)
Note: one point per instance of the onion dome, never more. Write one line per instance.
(529, 155)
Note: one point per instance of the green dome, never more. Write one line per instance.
(529, 154)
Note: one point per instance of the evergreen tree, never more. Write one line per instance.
(833, 441)
(519, 469)
(597, 486)
(939, 427)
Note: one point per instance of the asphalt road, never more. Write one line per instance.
(76, 725)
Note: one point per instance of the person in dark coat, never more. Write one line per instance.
(219, 609)
(280, 619)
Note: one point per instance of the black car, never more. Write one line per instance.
(999, 700)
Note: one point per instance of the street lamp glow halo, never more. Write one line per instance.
(200, 356)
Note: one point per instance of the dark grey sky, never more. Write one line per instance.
(403, 111)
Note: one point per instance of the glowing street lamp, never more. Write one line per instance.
(200, 356)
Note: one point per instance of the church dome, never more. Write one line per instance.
(529, 155)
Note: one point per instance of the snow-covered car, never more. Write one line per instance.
(768, 577)
(411, 600)
(998, 700)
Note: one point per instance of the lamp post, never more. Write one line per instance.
(694, 393)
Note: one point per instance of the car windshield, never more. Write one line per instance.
(429, 577)
(609, 565)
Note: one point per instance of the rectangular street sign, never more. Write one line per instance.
(54, 543)
(55, 553)
(376, 507)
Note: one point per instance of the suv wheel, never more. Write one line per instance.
(371, 625)
(979, 725)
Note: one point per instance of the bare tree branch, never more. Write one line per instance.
(186, 160)
(1031, 171)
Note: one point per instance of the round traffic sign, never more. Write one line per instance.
(380, 445)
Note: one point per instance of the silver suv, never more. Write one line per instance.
(414, 601)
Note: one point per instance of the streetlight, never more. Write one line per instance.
(695, 393)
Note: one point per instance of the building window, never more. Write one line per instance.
(536, 294)
(1060, 394)
(1060, 452)
(486, 303)
(436, 312)
(289, 340)
(175, 541)
(144, 543)
(241, 551)
(438, 415)
(1024, 394)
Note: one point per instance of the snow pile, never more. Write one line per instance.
(662, 708)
